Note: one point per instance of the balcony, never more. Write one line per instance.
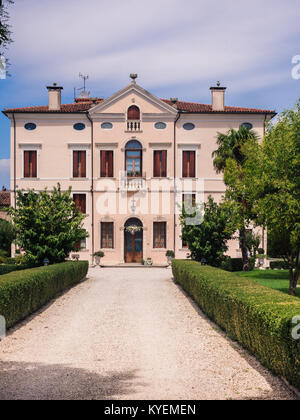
(133, 126)
(135, 182)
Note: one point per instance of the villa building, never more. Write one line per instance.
(131, 159)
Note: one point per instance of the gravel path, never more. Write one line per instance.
(128, 334)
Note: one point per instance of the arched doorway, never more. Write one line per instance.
(133, 241)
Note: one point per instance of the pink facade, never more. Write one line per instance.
(126, 163)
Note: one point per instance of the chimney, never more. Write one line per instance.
(218, 97)
(54, 97)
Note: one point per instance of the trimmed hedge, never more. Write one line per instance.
(9, 268)
(236, 264)
(23, 292)
(258, 317)
(280, 265)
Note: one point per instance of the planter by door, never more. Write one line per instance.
(133, 242)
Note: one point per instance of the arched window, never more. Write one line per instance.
(133, 113)
(133, 158)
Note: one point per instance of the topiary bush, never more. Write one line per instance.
(23, 292)
(279, 265)
(260, 318)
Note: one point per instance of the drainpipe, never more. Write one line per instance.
(92, 185)
(175, 122)
(15, 158)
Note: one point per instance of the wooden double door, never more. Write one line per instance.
(133, 242)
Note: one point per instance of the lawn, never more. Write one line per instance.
(275, 279)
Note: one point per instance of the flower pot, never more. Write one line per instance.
(97, 260)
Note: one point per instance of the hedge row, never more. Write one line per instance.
(9, 268)
(280, 265)
(236, 264)
(258, 317)
(23, 292)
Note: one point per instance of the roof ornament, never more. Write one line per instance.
(218, 83)
(133, 76)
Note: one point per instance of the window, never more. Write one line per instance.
(188, 164)
(189, 202)
(79, 126)
(160, 164)
(30, 126)
(30, 164)
(79, 164)
(189, 126)
(81, 245)
(80, 202)
(159, 235)
(133, 113)
(107, 163)
(107, 235)
(160, 126)
(247, 125)
(106, 126)
(133, 158)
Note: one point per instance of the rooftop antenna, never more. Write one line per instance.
(83, 92)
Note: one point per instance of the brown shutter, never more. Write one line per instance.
(26, 165)
(185, 156)
(164, 163)
(192, 173)
(110, 163)
(83, 165)
(76, 201)
(103, 161)
(33, 164)
(83, 203)
(75, 164)
(156, 170)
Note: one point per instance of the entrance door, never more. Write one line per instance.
(133, 242)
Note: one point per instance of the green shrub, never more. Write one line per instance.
(260, 318)
(23, 292)
(236, 264)
(9, 268)
(280, 265)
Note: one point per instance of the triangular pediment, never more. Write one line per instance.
(133, 94)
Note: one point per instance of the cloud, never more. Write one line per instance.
(168, 42)
(4, 172)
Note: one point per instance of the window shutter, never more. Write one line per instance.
(110, 163)
(156, 171)
(26, 165)
(83, 164)
(75, 164)
(83, 203)
(133, 113)
(192, 173)
(33, 164)
(185, 164)
(103, 163)
(164, 163)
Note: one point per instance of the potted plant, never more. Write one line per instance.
(98, 255)
(170, 255)
(149, 261)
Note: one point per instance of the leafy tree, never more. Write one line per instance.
(7, 235)
(253, 242)
(230, 159)
(5, 33)
(272, 177)
(209, 239)
(48, 225)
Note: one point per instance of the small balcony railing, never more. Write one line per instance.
(133, 182)
(133, 126)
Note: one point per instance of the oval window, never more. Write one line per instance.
(160, 126)
(79, 126)
(30, 126)
(106, 126)
(189, 126)
(247, 125)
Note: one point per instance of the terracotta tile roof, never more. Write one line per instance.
(4, 199)
(84, 104)
(202, 108)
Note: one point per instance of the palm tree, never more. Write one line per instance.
(230, 146)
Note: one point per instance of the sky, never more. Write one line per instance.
(178, 48)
